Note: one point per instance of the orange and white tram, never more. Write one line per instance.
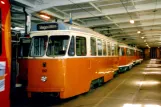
(67, 60)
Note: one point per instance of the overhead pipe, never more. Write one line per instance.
(27, 22)
(24, 10)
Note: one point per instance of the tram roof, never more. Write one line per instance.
(65, 26)
(130, 47)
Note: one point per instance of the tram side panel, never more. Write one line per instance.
(102, 67)
(80, 72)
(124, 60)
(77, 77)
(130, 58)
(139, 58)
(136, 57)
(122, 56)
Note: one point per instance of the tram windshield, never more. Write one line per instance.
(38, 46)
(57, 45)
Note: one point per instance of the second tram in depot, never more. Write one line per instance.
(128, 57)
(67, 60)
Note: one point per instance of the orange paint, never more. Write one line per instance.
(125, 60)
(70, 76)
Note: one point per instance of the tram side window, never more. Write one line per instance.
(93, 47)
(104, 48)
(24, 47)
(132, 52)
(109, 48)
(113, 49)
(81, 46)
(0, 33)
(99, 47)
(128, 52)
(57, 45)
(38, 46)
(137, 54)
(121, 51)
(116, 48)
(71, 51)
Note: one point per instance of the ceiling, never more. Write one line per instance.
(99, 15)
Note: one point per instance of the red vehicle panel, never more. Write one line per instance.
(5, 57)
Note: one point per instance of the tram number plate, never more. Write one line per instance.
(47, 26)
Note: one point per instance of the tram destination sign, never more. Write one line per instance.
(47, 26)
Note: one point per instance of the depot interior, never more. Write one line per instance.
(133, 22)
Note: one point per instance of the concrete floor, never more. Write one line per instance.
(139, 87)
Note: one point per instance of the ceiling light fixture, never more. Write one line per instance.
(138, 32)
(132, 21)
(45, 16)
(2, 2)
(142, 37)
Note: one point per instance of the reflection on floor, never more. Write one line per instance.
(139, 87)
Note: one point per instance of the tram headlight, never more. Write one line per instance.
(43, 78)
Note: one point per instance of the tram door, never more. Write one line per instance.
(153, 53)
